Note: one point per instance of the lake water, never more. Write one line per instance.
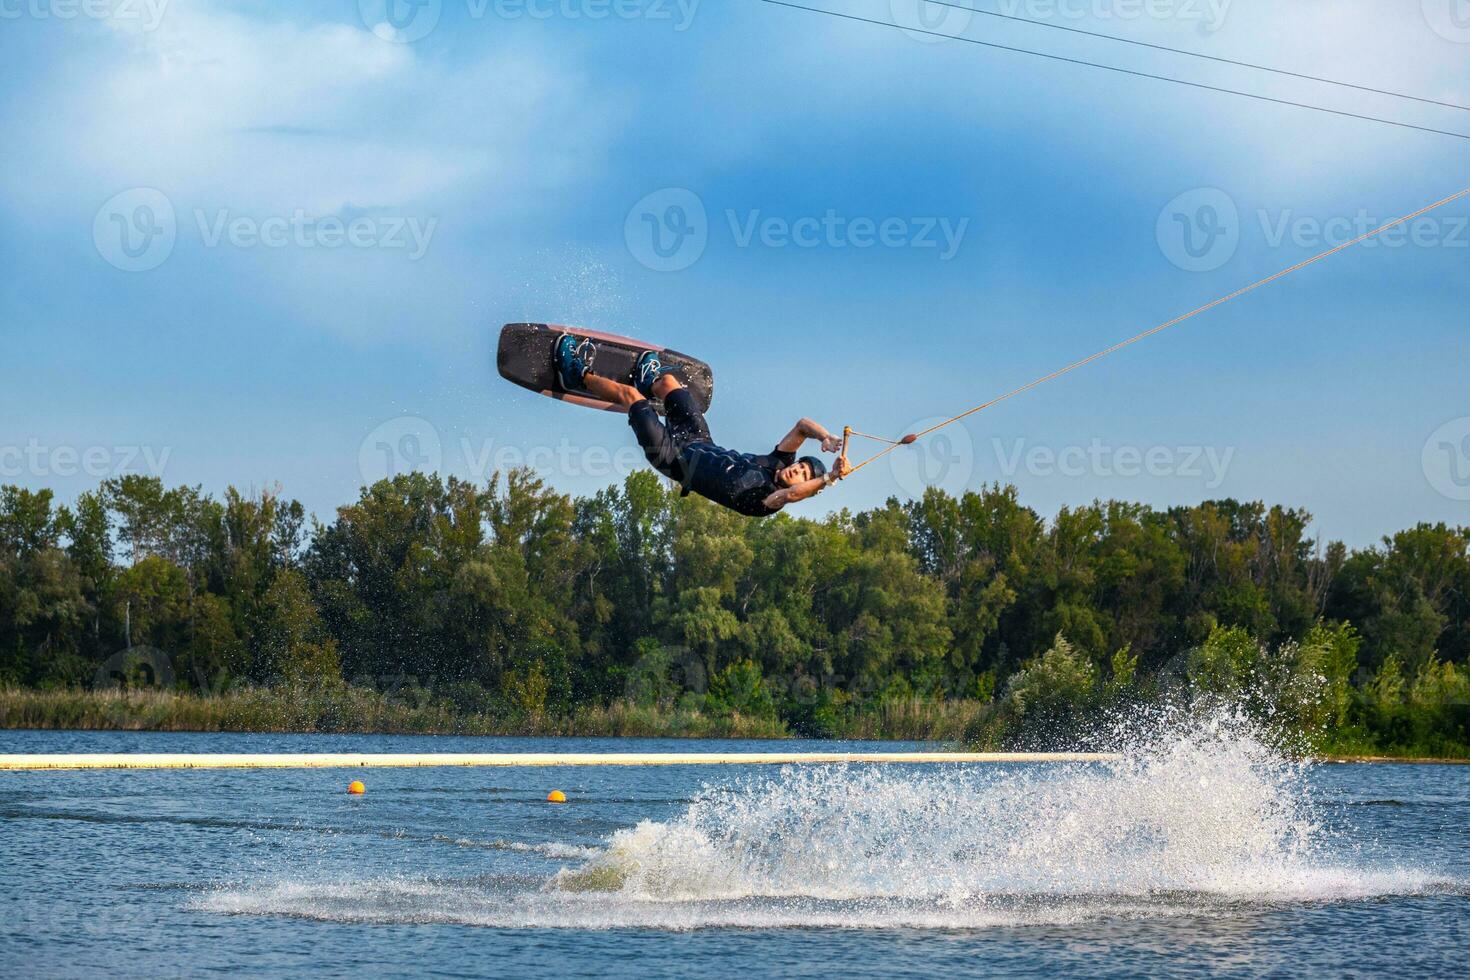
(1200, 853)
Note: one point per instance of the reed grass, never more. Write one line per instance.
(341, 709)
(344, 709)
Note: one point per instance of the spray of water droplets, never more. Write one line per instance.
(1200, 814)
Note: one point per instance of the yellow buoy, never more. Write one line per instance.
(556, 796)
(356, 788)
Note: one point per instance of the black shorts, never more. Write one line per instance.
(663, 442)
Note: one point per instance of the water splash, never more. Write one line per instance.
(1199, 816)
(578, 288)
(1211, 810)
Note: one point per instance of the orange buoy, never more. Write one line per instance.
(556, 796)
(356, 788)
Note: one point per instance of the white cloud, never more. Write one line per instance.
(258, 119)
(223, 110)
(870, 76)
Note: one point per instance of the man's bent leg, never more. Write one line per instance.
(657, 442)
(686, 421)
(611, 391)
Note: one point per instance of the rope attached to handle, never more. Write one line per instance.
(910, 439)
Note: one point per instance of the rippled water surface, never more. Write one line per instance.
(1200, 853)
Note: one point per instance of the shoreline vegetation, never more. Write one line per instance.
(445, 607)
(363, 712)
(343, 710)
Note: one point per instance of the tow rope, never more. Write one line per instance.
(908, 440)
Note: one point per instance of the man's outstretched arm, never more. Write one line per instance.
(809, 488)
(808, 429)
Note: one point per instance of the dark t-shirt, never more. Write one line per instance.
(740, 481)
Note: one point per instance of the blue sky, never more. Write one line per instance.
(329, 219)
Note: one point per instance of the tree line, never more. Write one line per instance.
(512, 597)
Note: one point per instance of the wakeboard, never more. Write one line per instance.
(526, 357)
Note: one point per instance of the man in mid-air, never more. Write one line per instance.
(682, 449)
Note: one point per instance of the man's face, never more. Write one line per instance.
(790, 476)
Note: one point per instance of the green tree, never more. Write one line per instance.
(27, 522)
(292, 638)
(740, 689)
(1048, 696)
(1410, 597)
(153, 601)
(87, 526)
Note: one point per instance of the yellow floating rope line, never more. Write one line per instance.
(913, 437)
